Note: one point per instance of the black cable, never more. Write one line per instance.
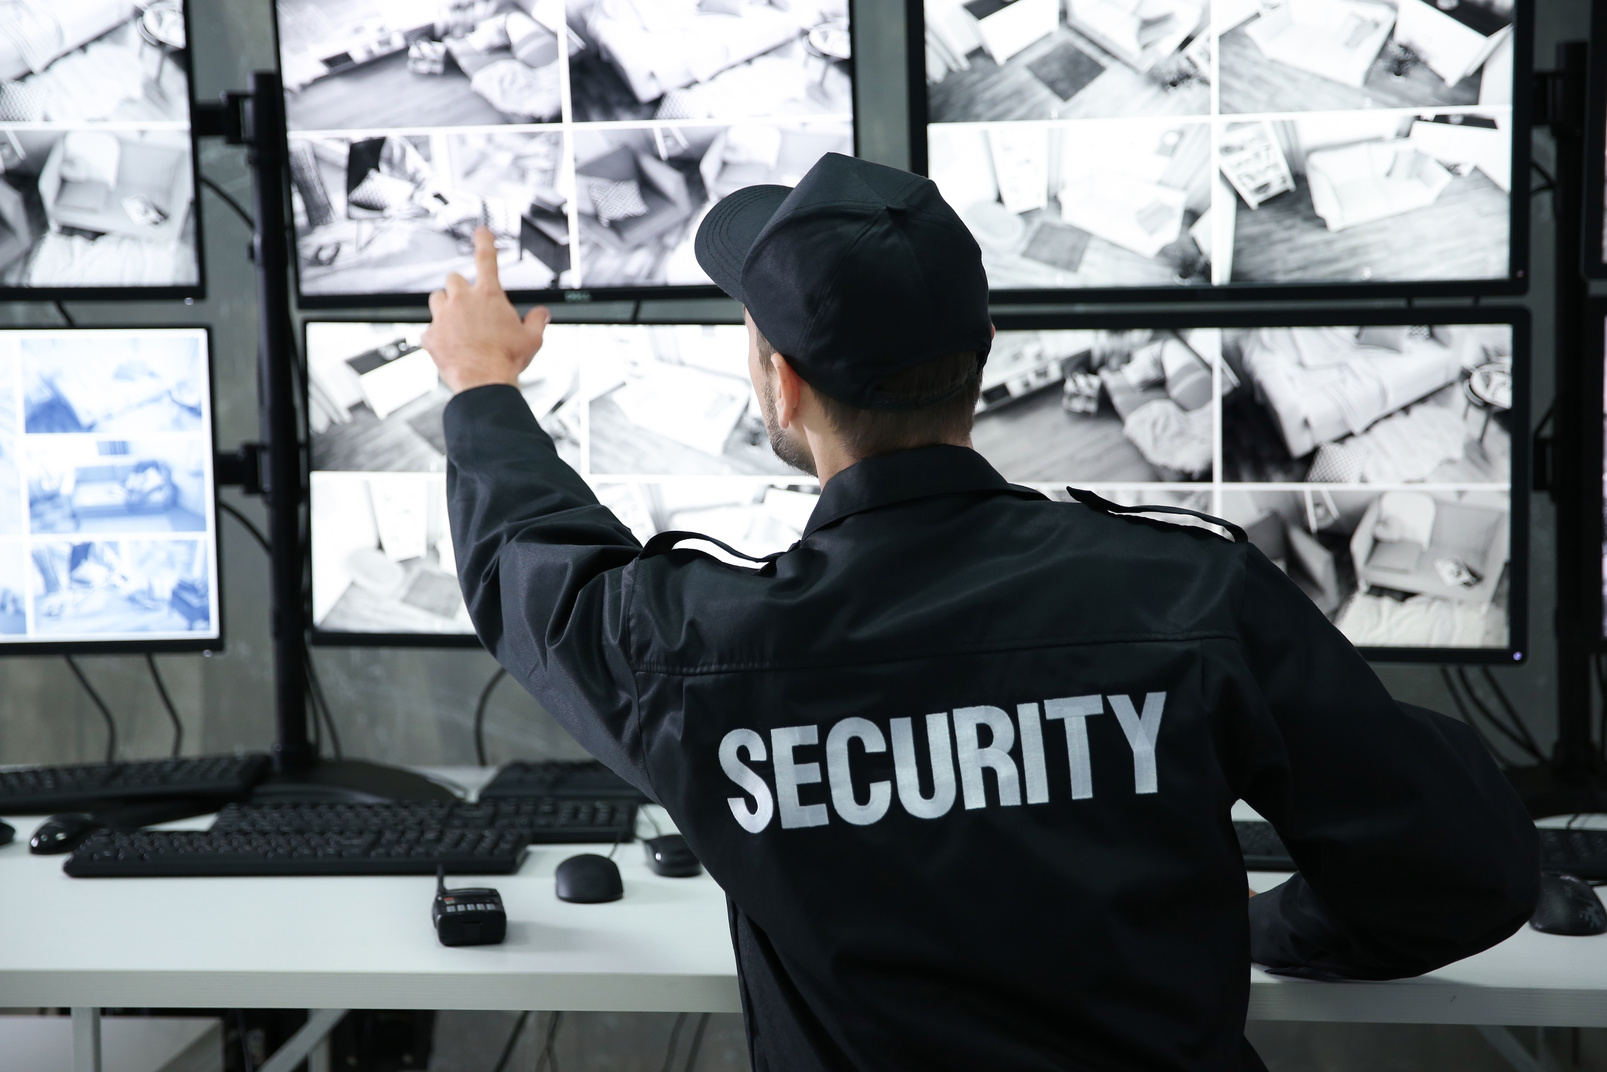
(167, 702)
(1506, 705)
(1467, 717)
(317, 688)
(548, 1057)
(1544, 174)
(100, 705)
(228, 199)
(1517, 741)
(675, 1038)
(479, 714)
(697, 1042)
(65, 315)
(513, 1040)
(245, 1050)
(249, 525)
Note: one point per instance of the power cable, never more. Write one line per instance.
(1467, 716)
(65, 315)
(548, 1057)
(1506, 705)
(675, 1037)
(513, 1040)
(479, 714)
(228, 199)
(1517, 741)
(317, 688)
(697, 1043)
(100, 705)
(249, 525)
(167, 702)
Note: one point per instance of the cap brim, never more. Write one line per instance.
(729, 230)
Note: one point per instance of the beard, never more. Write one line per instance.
(788, 449)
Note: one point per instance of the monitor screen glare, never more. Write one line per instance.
(1372, 464)
(590, 136)
(660, 420)
(1091, 144)
(107, 526)
(96, 178)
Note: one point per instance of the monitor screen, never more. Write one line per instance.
(659, 419)
(106, 456)
(590, 136)
(1595, 195)
(1176, 145)
(1375, 464)
(97, 171)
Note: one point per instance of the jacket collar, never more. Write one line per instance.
(905, 475)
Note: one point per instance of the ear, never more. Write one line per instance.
(993, 332)
(789, 391)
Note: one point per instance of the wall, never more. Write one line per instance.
(416, 706)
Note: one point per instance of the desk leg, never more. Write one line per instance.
(1506, 1044)
(304, 1043)
(86, 1040)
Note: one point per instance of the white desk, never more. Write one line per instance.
(342, 943)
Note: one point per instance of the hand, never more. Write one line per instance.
(476, 337)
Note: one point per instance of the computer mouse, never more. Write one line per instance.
(588, 879)
(62, 833)
(8, 833)
(1568, 905)
(671, 857)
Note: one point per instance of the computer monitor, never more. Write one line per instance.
(1188, 147)
(108, 530)
(590, 136)
(97, 157)
(1380, 463)
(660, 419)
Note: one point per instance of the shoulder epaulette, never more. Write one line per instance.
(1089, 499)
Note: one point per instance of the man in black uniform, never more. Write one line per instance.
(963, 757)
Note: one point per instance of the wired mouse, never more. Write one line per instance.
(62, 833)
(670, 856)
(588, 879)
(1568, 905)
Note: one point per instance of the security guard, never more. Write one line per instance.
(963, 757)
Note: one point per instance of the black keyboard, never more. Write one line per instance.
(1262, 847)
(556, 778)
(83, 787)
(539, 820)
(1577, 852)
(228, 853)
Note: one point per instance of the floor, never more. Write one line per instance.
(1463, 235)
(394, 445)
(1253, 83)
(1033, 439)
(618, 446)
(385, 93)
(1104, 264)
(989, 91)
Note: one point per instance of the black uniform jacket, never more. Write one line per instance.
(963, 757)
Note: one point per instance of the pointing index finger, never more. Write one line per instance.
(485, 260)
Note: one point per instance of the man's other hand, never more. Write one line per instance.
(475, 334)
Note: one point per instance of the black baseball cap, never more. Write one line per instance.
(856, 274)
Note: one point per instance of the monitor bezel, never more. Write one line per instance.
(194, 291)
(1516, 650)
(209, 645)
(1595, 252)
(1516, 281)
(1593, 465)
(335, 303)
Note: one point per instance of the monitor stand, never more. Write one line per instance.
(349, 781)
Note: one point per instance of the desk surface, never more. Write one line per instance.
(367, 943)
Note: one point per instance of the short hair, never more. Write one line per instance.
(955, 380)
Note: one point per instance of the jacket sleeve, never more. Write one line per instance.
(542, 564)
(1413, 850)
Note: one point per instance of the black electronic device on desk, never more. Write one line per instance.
(1574, 852)
(560, 778)
(228, 853)
(538, 820)
(85, 786)
(467, 916)
(1262, 847)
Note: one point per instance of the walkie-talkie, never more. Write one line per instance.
(467, 916)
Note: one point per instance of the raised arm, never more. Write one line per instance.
(1413, 850)
(541, 562)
